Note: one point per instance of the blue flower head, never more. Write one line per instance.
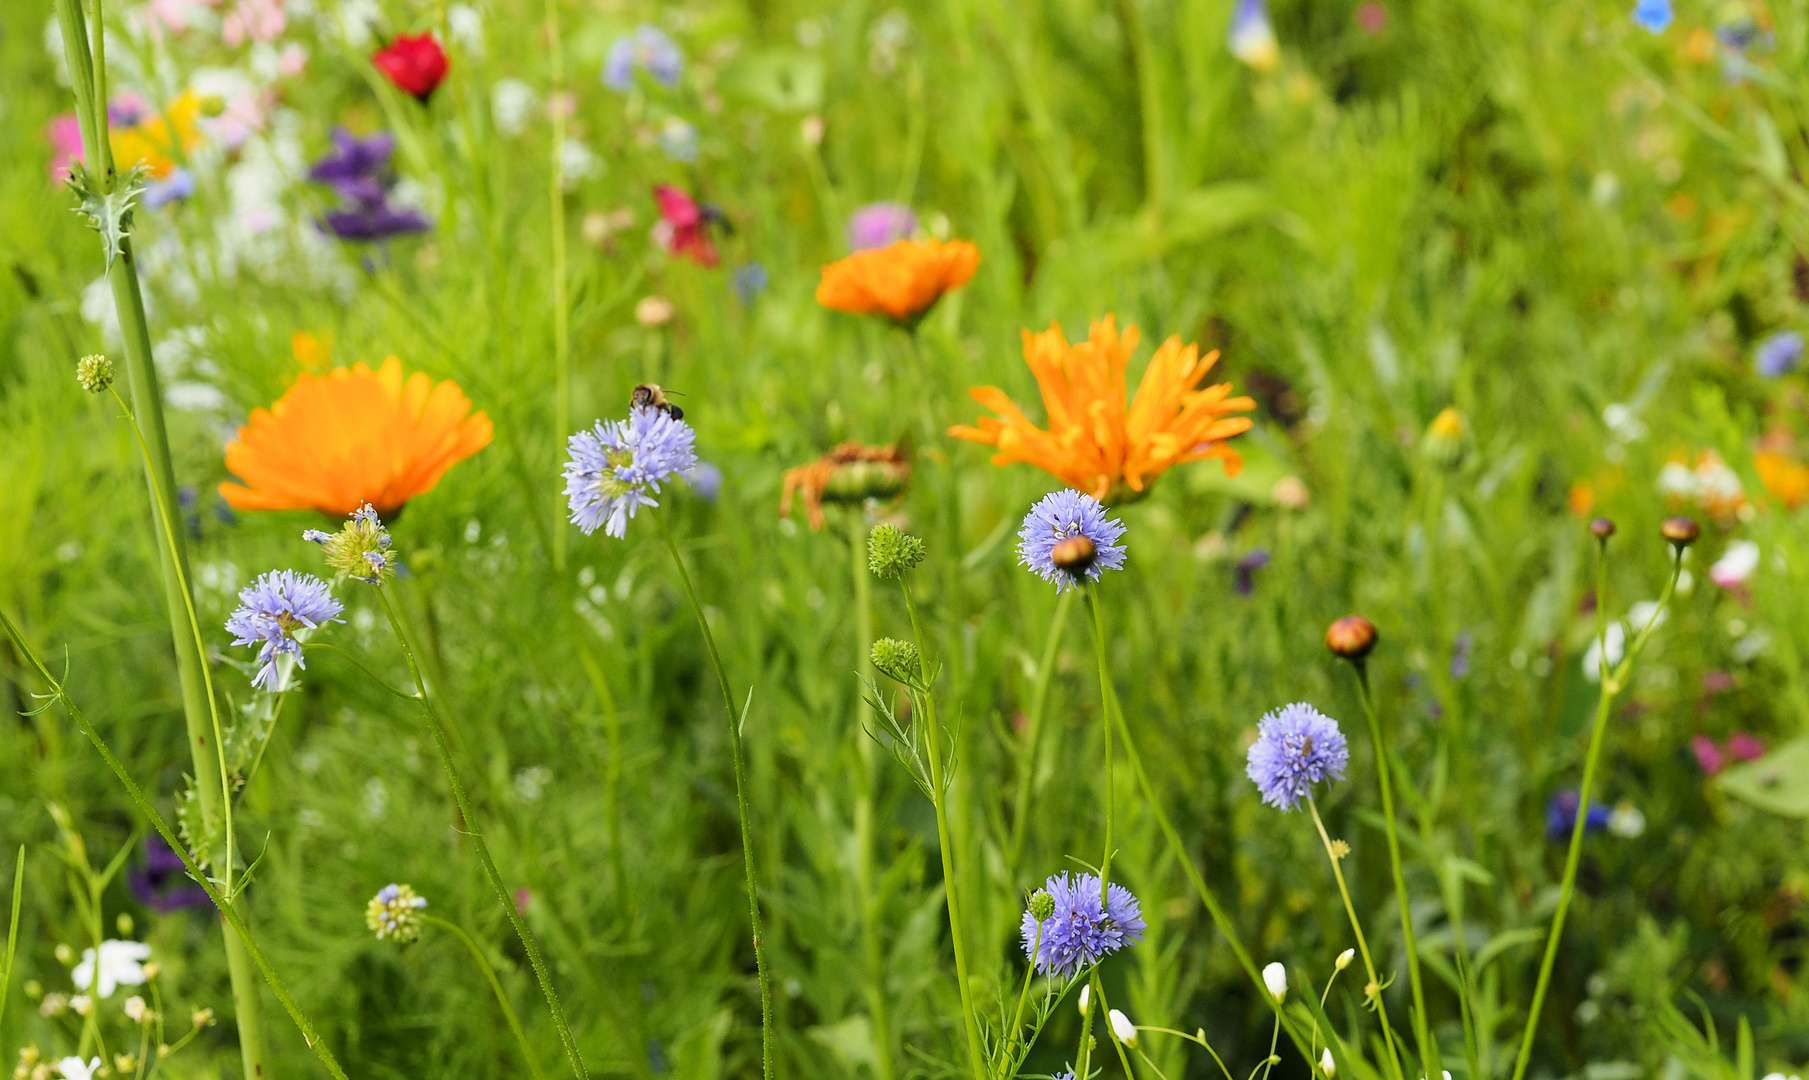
(272, 610)
(1082, 931)
(1296, 747)
(1063, 515)
(615, 465)
(647, 47)
(1779, 354)
(1654, 15)
(1561, 815)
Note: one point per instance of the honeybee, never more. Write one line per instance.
(650, 396)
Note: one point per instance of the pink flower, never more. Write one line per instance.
(65, 135)
(1743, 747)
(259, 20)
(293, 59)
(1708, 755)
(1372, 17)
(522, 898)
(684, 226)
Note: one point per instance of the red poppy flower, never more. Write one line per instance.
(684, 227)
(417, 65)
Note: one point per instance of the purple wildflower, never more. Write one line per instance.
(1082, 931)
(878, 224)
(1296, 747)
(1243, 572)
(177, 186)
(706, 480)
(615, 465)
(272, 609)
(1779, 354)
(377, 221)
(1561, 815)
(1058, 516)
(647, 47)
(162, 884)
(359, 170)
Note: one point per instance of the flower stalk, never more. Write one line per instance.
(1033, 730)
(877, 1003)
(1375, 987)
(502, 999)
(747, 843)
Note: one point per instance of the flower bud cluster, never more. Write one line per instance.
(394, 914)
(360, 549)
(896, 659)
(892, 552)
(94, 373)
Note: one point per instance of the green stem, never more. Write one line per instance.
(1111, 1032)
(1039, 695)
(1356, 926)
(483, 964)
(877, 998)
(1017, 1016)
(612, 776)
(1422, 1036)
(1611, 685)
(88, 76)
(469, 823)
(1149, 100)
(1106, 698)
(950, 883)
(747, 842)
(562, 375)
(149, 812)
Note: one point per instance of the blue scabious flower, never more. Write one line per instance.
(1561, 815)
(1082, 931)
(647, 47)
(273, 609)
(615, 465)
(1296, 747)
(1654, 15)
(1779, 354)
(1062, 515)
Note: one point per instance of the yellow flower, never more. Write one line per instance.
(900, 280)
(335, 442)
(1096, 444)
(159, 139)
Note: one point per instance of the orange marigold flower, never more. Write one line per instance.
(1787, 481)
(900, 281)
(849, 473)
(156, 140)
(1094, 442)
(336, 441)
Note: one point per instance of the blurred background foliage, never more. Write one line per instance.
(1572, 231)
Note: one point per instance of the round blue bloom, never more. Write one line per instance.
(177, 186)
(750, 281)
(1058, 516)
(1296, 747)
(1654, 15)
(647, 47)
(1779, 354)
(615, 465)
(272, 609)
(706, 480)
(1082, 931)
(1561, 815)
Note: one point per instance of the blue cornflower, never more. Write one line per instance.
(750, 281)
(1296, 747)
(1779, 354)
(1561, 815)
(1064, 515)
(614, 466)
(272, 609)
(1082, 931)
(647, 47)
(1654, 15)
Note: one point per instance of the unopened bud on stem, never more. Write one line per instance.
(892, 552)
(1601, 528)
(1042, 905)
(1351, 637)
(898, 660)
(1680, 531)
(94, 372)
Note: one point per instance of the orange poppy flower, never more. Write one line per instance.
(1787, 481)
(1094, 442)
(900, 281)
(336, 441)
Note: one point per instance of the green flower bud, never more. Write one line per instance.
(1042, 905)
(896, 659)
(94, 373)
(892, 552)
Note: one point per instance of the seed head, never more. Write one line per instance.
(94, 372)
(1601, 528)
(892, 552)
(1074, 554)
(1042, 905)
(1351, 637)
(895, 659)
(1680, 531)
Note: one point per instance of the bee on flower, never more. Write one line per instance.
(616, 466)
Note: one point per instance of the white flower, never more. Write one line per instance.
(1735, 565)
(74, 1068)
(1626, 822)
(1085, 999)
(511, 103)
(579, 163)
(467, 28)
(1123, 1028)
(121, 964)
(1594, 662)
(1345, 957)
(135, 1009)
(1275, 977)
(1326, 1064)
(1676, 479)
(82, 1004)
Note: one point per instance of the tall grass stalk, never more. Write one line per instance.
(747, 843)
(1611, 685)
(468, 822)
(87, 72)
(502, 999)
(234, 920)
(562, 344)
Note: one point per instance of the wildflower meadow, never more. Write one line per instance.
(962, 540)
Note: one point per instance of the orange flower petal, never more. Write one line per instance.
(900, 280)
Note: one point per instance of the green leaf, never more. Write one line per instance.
(110, 213)
(1778, 782)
